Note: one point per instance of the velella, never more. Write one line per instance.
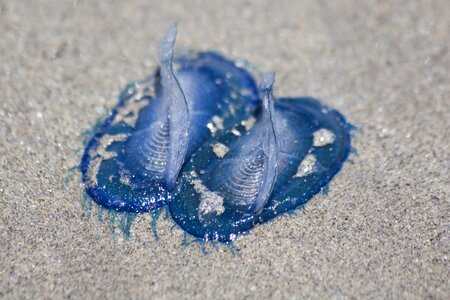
(255, 171)
(132, 161)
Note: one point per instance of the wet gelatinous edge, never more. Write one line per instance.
(132, 92)
(103, 144)
(294, 193)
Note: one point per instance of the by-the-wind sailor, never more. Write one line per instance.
(133, 160)
(249, 175)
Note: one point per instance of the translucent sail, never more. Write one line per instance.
(178, 110)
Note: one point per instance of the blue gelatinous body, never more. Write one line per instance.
(247, 176)
(133, 159)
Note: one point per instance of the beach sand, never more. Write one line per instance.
(381, 232)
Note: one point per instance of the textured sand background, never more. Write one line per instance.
(383, 230)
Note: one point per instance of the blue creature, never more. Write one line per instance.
(249, 175)
(133, 160)
(195, 136)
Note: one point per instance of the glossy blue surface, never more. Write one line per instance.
(123, 165)
(216, 191)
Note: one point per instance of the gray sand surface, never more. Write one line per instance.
(381, 232)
